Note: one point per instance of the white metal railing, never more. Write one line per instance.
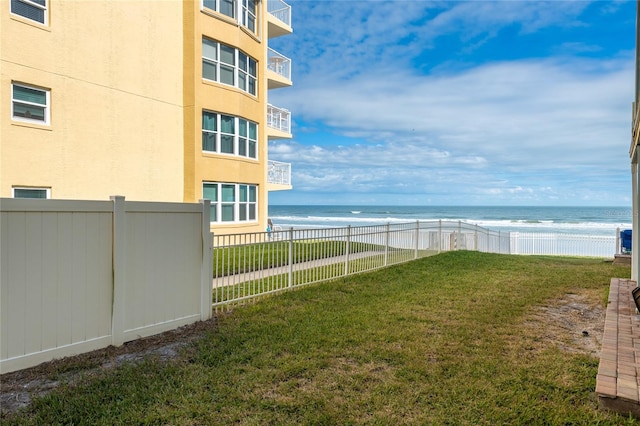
(280, 10)
(279, 63)
(563, 244)
(279, 173)
(254, 264)
(250, 265)
(278, 118)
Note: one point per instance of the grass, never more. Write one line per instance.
(441, 340)
(332, 269)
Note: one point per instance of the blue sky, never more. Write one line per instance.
(416, 102)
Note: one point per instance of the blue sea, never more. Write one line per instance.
(567, 220)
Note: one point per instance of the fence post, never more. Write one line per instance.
(291, 258)
(514, 238)
(459, 237)
(439, 235)
(417, 238)
(119, 269)
(347, 248)
(617, 240)
(206, 290)
(386, 245)
(475, 239)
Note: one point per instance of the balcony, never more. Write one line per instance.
(278, 18)
(278, 176)
(279, 70)
(278, 122)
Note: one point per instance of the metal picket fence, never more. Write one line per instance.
(246, 266)
(564, 244)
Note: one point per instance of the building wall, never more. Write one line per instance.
(126, 101)
(116, 100)
(209, 167)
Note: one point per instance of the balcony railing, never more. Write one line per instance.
(279, 173)
(278, 118)
(280, 10)
(279, 64)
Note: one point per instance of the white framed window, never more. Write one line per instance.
(243, 11)
(27, 192)
(226, 7)
(231, 202)
(35, 10)
(29, 103)
(228, 65)
(249, 13)
(226, 134)
(247, 73)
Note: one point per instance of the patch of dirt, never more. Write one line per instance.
(574, 323)
(18, 388)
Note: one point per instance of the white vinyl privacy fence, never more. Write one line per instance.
(82, 275)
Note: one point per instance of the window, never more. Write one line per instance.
(209, 131)
(231, 202)
(210, 192)
(248, 18)
(247, 202)
(228, 65)
(226, 134)
(228, 203)
(226, 7)
(209, 59)
(29, 104)
(31, 192)
(36, 10)
(247, 139)
(247, 15)
(247, 73)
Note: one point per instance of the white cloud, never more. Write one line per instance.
(506, 112)
(523, 129)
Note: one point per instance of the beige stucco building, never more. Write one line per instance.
(156, 100)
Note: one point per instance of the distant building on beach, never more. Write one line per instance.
(635, 135)
(153, 100)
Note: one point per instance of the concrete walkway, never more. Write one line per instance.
(618, 379)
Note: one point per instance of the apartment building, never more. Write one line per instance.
(156, 100)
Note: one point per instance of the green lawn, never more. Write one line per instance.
(442, 340)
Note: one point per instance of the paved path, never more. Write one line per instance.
(618, 380)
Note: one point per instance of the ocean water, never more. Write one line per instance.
(567, 220)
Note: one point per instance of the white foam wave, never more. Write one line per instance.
(506, 225)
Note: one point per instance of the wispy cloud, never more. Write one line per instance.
(371, 122)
